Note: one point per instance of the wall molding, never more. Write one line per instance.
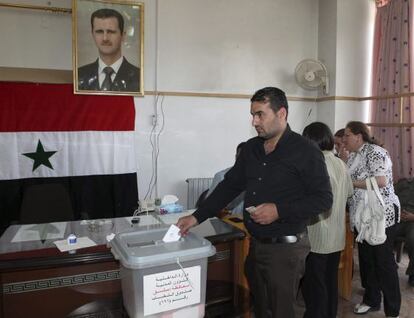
(35, 7)
(33, 75)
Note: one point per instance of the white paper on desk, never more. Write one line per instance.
(172, 235)
(37, 232)
(81, 242)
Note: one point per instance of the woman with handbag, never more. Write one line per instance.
(376, 262)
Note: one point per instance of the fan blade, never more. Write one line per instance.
(314, 68)
(321, 73)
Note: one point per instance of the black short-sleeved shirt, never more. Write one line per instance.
(293, 176)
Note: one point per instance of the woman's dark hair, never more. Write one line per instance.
(320, 134)
(358, 127)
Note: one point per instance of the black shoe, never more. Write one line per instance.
(411, 280)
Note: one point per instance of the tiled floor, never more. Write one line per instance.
(407, 292)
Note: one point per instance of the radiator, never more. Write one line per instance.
(196, 186)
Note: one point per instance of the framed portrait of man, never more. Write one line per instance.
(108, 48)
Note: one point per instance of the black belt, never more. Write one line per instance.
(281, 239)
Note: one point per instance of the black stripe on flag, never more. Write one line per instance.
(91, 197)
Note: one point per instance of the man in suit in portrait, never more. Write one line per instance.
(111, 71)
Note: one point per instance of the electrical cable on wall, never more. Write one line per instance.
(152, 141)
(157, 148)
(153, 184)
(155, 142)
(152, 157)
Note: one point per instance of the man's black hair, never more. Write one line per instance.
(275, 96)
(320, 134)
(108, 13)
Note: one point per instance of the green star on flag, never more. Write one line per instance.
(40, 157)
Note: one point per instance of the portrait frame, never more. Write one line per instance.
(93, 50)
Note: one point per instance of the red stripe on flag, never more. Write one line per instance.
(54, 107)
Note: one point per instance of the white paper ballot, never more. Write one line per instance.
(172, 235)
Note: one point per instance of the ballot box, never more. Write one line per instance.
(162, 279)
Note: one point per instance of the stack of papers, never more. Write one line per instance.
(37, 232)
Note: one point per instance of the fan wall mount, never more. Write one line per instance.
(311, 75)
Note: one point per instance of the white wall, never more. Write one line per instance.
(234, 45)
(354, 47)
(345, 45)
(327, 38)
(36, 39)
(215, 46)
(354, 59)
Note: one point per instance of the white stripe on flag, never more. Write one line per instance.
(77, 153)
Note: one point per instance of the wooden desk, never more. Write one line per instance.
(345, 271)
(241, 257)
(37, 280)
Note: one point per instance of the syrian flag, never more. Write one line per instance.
(85, 142)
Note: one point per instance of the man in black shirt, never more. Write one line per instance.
(286, 183)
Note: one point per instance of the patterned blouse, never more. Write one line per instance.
(373, 161)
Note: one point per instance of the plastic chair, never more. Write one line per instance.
(45, 203)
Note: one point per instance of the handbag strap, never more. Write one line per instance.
(373, 181)
(368, 184)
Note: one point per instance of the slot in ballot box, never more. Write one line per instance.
(162, 279)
